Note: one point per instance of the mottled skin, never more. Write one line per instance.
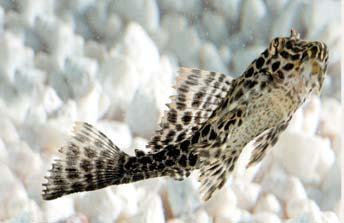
(209, 122)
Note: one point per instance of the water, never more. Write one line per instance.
(112, 64)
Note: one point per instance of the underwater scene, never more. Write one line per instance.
(176, 111)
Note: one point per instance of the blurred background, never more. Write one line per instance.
(113, 64)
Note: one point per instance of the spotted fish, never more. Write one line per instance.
(208, 123)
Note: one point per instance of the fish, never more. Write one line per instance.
(209, 121)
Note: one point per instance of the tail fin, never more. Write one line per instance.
(89, 161)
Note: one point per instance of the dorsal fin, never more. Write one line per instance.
(199, 93)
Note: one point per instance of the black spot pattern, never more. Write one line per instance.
(193, 159)
(249, 72)
(206, 130)
(172, 116)
(181, 106)
(195, 137)
(187, 118)
(229, 123)
(249, 84)
(182, 160)
(89, 152)
(288, 67)
(314, 51)
(260, 62)
(221, 124)
(275, 66)
(179, 127)
(77, 186)
(173, 152)
(184, 146)
(238, 94)
(280, 75)
(181, 136)
(159, 156)
(139, 153)
(295, 57)
(285, 54)
(86, 165)
(195, 103)
(169, 163)
(212, 135)
(130, 163)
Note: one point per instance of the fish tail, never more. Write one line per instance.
(90, 161)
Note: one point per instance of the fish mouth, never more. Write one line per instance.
(314, 72)
(316, 52)
(317, 67)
